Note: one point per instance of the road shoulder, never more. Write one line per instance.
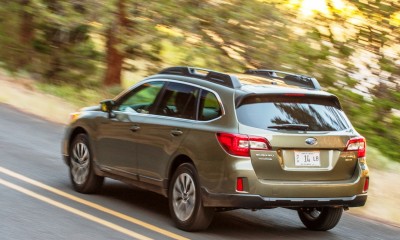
(21, 94)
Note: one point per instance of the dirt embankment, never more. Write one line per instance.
(21, 94)
(383, 197)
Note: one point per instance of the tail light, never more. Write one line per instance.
(240, 145)
(357, 144)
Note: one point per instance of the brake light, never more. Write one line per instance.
(240, 145)
(357, 144)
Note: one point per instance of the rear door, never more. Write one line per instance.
(307, 133)
(164, 131)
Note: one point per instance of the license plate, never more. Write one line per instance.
(307, 159)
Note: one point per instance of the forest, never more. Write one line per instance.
(90, 47)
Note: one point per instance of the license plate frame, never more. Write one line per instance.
(307, 158)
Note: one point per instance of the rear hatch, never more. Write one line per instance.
(307, 133)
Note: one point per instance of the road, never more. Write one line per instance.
(37, 201)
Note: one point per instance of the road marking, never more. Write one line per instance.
(74, 210)
(92, 205)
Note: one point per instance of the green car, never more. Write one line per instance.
(211, 141)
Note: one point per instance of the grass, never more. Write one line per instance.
(87, 96)
(79, 97)
(377, 160)
(84, 96)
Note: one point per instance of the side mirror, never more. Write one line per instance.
(107, 106)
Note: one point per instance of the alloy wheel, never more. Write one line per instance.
(80, 163)
(184, 196)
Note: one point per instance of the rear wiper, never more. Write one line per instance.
(290, 126)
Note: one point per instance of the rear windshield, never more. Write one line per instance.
(271, 112)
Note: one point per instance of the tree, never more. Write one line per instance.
(115, 54)
(53, 45)
(26, 27)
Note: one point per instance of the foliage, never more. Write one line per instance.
(381, 130)
(58, 50)
(351, 48)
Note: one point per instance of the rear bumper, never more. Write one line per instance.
(250, 201)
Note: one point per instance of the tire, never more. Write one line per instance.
(320, 219)
(185, 203)
(81, 172)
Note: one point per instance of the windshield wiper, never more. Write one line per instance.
(290, 126)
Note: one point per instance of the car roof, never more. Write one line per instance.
(249, 85)
(262, 85)
(279, 89)
(254, 77)
(252, 81)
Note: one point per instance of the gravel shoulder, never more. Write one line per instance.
(383, 197)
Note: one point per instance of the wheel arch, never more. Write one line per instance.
(178, 160)
(200, 217)
(75, 132)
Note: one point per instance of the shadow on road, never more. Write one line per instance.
(145, 200)
(237, 224)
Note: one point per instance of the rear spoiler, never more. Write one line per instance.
(300, 97)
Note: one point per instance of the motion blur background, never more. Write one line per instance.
(88, 50)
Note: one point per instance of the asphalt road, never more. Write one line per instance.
(37, 202)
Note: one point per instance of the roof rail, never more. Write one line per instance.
(288, 78)
(205, 74)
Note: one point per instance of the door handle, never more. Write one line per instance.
(176, 132)
(135, 128)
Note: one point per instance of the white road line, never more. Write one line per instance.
(92, 205)
(74, 210)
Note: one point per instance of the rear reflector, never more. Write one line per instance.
(240, 145)
(366, 185)
(357, 144)
(239, 184)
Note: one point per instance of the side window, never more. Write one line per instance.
(142, 98)
(209, 106)
(179, 100)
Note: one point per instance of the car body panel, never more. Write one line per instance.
(117, 143)
(163, 136)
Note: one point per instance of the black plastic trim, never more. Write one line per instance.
(250, 201)
(223, 79)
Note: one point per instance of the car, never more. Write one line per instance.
(212, 141)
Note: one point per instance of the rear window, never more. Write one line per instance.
(270, 112)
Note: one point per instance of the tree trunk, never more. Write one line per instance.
(114, 57)
(26, 33)
(26, 27)
(114, 60)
